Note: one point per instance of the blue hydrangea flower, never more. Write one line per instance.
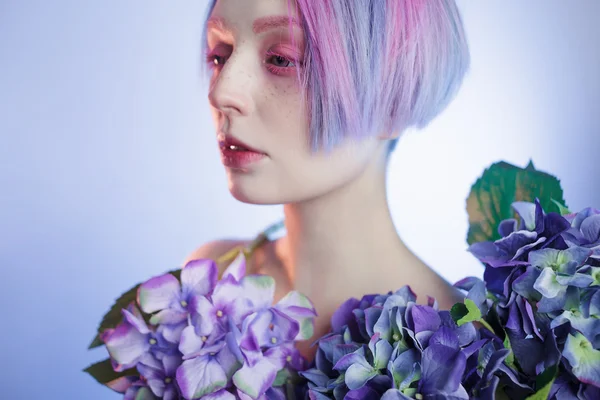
(387, 346)
(542, 290)
(584, 230)
(535, 230)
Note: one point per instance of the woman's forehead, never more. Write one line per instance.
(257, 15)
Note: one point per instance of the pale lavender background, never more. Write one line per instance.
(109, 173)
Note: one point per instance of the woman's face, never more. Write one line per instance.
(256, 103)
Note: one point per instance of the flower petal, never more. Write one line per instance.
(230, 299)
(200, 376)
(547, 284)
(139, 393)
(199, 277)
(577, 280)
(121, 384)
(383, 351)
(486, 251)
(590, 326)
(172, 333)
(254, 381)
(590, 228)
(344, 316)
(372, 315)
(364, 393)
(260, 290)
(527, 212)
(136, 320)
(315, 376)
(358, 374)
(298, 307)
(228, 361)
(550, 304)
(358, 357)
(206, 315)
(168, 316)
(219, 395)
(298, 302)
(190, 342)
(394, 394)
(158, 293)
(425, 318)
(405, 368)
(584, 359)
(446, 337)
(171, 393)
(442, 369)
(126, 345)
(237, 268)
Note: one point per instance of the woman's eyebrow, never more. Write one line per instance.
(258, 26)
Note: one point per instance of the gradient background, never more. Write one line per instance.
(109, 171)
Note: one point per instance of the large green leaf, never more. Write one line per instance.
(103, 372)
(491, 196)
(112, 318)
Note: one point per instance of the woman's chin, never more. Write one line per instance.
(250, 193)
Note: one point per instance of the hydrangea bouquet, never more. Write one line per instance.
(529, 330)
(203, 337)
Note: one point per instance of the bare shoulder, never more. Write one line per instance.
(214, 249)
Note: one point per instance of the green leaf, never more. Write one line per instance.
(113, 317)
(467, 312)
(530, 166)
(510, 359)
(458, 312)
(562, 210)
(543, 383)
(492, 195)
(103, 372)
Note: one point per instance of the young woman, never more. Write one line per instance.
(308, 100)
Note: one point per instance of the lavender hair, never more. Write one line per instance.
(377, 67)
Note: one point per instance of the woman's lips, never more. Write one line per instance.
(236, 154)
(228, 141)
(239, 158)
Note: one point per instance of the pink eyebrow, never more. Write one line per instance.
(266, 23)
(260, 24)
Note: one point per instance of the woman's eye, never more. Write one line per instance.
(280, 61)
(274, 62)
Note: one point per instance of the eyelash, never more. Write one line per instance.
(211, 57)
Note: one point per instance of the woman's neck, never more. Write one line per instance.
(344, 244)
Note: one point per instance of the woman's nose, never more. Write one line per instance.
(231, 89)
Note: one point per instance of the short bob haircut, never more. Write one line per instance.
(377, 67)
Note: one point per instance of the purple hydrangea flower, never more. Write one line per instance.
(209, 338)
(252, 337)
(133, 341)
(139, 390)
(160, 376)
(387, 346)
(584, 230)
(559, 270)
(535, 230)
(171, 300)
(542, 291)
